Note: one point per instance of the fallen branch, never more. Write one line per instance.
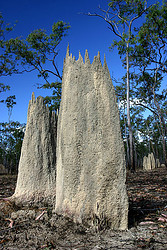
(39, 216)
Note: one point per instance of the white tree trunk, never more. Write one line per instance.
(128, 111)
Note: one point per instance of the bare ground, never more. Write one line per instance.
(40, 229)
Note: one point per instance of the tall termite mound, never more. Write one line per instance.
(90, 183)
(36, 183)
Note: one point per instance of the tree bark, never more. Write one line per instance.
(131, 167)
(127, 143)
(161, 122)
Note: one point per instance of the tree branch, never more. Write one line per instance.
(144, 106)
(57, 71)
(111, 23)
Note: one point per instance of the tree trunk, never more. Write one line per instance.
(150, 141)
(128, 112)
(161, 122)
(135, 155)
(163, 141)
(127, 143)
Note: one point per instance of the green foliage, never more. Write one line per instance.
(121, 15)
(10, 100)
(150, 56)
(143, 49)
(33, 54)
(127, 8)
(7, 65)
(151, 44)
(19, 56)
(37, 50)
(11, 137)
(146, 130)
(4, 87)
(54, 101)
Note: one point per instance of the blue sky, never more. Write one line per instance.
(85, 33)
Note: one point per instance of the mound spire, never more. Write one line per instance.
(87, 60)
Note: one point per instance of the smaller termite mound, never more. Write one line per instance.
(36, 183)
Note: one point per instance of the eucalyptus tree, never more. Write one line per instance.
(38, 52)
(137, 118)
(150, 56)
(120, 17)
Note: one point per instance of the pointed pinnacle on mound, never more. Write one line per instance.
(33, 97)
(105, 66)
(98, 56)
(68, 51)
(87, 60)
(80, 59)
(97, 60)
